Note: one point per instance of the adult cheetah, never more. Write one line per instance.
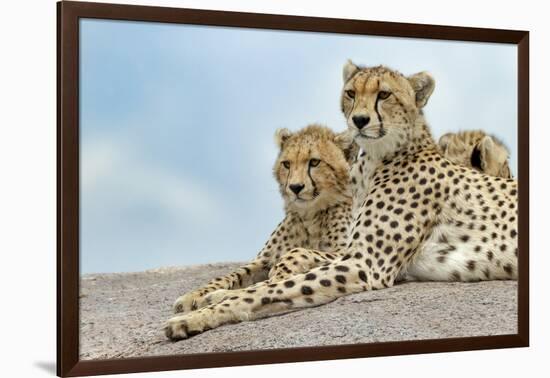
(312, 171)
(476, 149)
(420, 216)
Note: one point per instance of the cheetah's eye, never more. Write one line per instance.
(286, 164)
(350, 93)
(384, 95)
(314, 162)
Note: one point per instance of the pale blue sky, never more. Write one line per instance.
(177, 126)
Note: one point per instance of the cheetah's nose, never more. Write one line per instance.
(360, 121)
(296, 188)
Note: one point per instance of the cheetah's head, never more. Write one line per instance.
(477, 150)
(381, 106)
(312, 168)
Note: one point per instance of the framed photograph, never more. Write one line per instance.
(238, 188)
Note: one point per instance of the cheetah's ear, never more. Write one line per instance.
(423, 85)
(281, 136)
(345, 141)
(476, 159)
(483, 152)
(444, 141)
(349, 69)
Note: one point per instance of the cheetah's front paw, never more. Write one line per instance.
(184, 326)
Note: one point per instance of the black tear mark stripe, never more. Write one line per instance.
(378, 113)
(311, 178)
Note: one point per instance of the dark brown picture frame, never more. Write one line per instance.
(68, 15)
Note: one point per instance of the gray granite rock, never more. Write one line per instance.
(122, 315)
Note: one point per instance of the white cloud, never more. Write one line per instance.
(120, 173)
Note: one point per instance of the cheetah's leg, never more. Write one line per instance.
(318, 286)
(299, 260)
(295, 261)
(244, 276)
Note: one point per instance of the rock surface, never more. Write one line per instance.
(122, 315)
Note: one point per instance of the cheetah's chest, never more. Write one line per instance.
(361, 181)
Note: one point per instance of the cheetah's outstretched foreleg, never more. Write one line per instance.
(318, 286)
(244, 276)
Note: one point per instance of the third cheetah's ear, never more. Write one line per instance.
(444, 141)
(281, 136)
(423, 85)
(483, 153)
(345, 141)
(349, 69)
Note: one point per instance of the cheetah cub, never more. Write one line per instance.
(418, 215)
(476, 149)
(312, 171)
